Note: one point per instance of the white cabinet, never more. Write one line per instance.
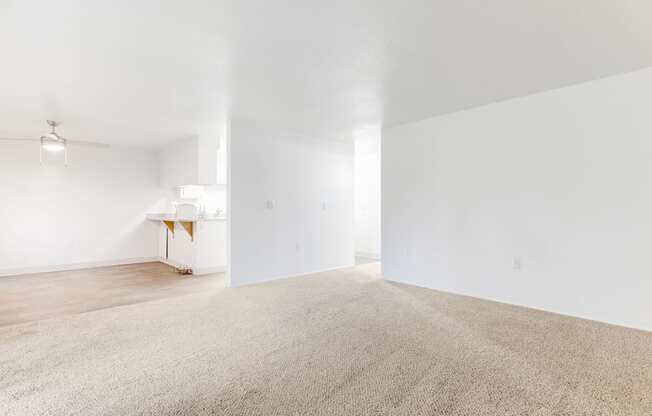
(204, 251)
(197, 161)
(178, 164)
(209, 249)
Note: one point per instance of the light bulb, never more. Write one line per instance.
(53, 146)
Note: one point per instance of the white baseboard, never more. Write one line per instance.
(366, 255)
(169, 262)
(522, 305)
(74, 266)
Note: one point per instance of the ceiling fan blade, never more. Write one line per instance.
(71, 142)
(18, 139)
(87, 144)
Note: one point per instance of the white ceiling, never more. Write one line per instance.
(143, 73)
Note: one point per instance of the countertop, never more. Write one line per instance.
(173, 217)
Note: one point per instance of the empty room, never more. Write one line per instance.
(248, 207)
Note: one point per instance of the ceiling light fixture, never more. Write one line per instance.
(52, 142)
(52, 145)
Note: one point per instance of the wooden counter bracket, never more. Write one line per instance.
(170, 225)
(188, 225)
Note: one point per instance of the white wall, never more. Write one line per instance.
(91, 212)
(215, 198)
(310, 185)
(560, 182)
(367, 193)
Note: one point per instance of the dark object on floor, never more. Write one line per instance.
(184, 270)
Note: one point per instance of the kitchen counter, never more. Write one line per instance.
(173, 217)
(198, 243)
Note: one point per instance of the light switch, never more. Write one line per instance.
(518, 263)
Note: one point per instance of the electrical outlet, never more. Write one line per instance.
(518, 263)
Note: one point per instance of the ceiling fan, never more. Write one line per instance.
(53, 142)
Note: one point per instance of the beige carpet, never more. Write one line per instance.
(338, 343)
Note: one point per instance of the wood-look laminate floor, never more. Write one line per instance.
(39, 296)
